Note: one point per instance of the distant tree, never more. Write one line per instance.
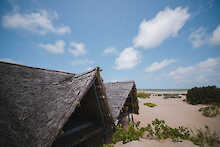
(203, 95)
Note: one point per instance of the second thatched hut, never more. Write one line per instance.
(122, 100)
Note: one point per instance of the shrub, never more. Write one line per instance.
(143, 95)
(210, 111)
(171, 96)
(203, 95)
(124, 135)
(150, 104)
(158, 129)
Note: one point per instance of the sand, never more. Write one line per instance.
(175, 112)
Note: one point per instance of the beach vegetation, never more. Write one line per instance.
(203, 95)
(210, 111)
(171, 96)
(158, 129)
(143, 95)
(126, 135)
(150, 104)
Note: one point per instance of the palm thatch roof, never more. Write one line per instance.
(117, 94)
(35, 103)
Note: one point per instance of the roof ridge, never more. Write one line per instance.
(26, 66)
(130, 81)
(87, 72)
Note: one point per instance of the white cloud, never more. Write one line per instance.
(204, 71)
(83, 62)
(201, 37)
(167, 23)
(7, 60)
(127, 59)
(198, 37)
(57, 48)
(159, 65)
(39, 22)
(182, 72)
(110, 50)
(215, 38)
(79, 49)
(209, 63)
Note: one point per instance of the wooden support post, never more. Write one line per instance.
(99, 105)
(74, 130)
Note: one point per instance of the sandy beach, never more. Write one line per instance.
(175, 112)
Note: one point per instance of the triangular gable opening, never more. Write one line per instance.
(86, 124)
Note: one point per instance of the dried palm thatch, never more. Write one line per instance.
(35, 103)
(119, 93)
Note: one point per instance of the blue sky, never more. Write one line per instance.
(159, 44)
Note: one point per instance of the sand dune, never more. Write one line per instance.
(176, 113)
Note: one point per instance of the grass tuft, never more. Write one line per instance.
(150, 104)
(143, 95)
(210, 111)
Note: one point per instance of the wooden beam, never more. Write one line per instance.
(74, 130)
(88, 135)
(99, 104)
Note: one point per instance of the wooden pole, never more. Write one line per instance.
(74, 130)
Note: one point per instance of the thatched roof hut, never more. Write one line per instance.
(35, 104)
(121, 94)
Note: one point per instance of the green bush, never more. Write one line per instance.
(124, 135)
(203, 95)
(171, 96)
(210, 111)
(158, 129)
(150, 104)
(143, 95)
